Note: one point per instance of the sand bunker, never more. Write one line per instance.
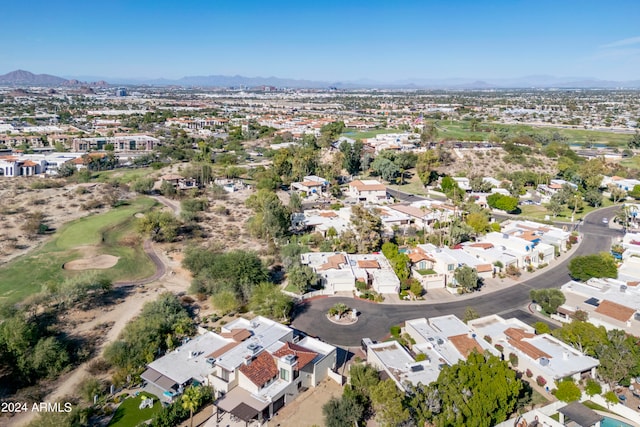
(96, 262)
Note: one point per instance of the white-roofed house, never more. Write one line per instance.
(255, 367)
(544, 355)
(610, 303)
(369, 190)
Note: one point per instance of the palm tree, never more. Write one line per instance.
(191, 400)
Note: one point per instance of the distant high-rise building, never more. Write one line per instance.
(121, 91)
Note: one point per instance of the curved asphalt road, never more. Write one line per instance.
(376, 319)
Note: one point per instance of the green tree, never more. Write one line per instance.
(635, 192)
(541, 328)
(554, 207)
(341, 412)
(268, 301)
(593, 387)
(225, 301)
(161, 226)
(295, 202)
(481, 391)
(610, 397)
(616, 193)
(617, 359)
(583, 336)
(386, 168)
(146, 336)
(593, 197)
(426, 166)
(368, 228)
(567, 391)
(596, 265)
(469, 314)
(467, 278)
(90, 387)
(238, 271)
(330, 133)
(143, 185)
(352, 156)
(549, 299)
(302, 277)
(271, 218)
(502, 202)
(387, 401)
(634, 141)
(191, 401)
(478, 221)
(363, 378)
(429, 133)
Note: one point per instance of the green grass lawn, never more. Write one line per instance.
(128, 413)
(632, 162)
(26, 275)
(411, 185)
(539, 212)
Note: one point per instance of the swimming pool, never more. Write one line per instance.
(610, 422)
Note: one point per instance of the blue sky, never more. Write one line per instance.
(323, 40)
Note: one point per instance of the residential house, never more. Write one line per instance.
(434, 267)
(443, 340)
(254, 366)
(369, 190)
(525, 247)
(312, 185)
(610, 303)
(534, 231)
(322, 220)
(544, 355)
(178, 181)
(339, 271)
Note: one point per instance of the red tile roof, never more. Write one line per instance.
(483, 245)
(361, 186)
(465, 344)
(484, 268)
(261, 369)
(304, 355)
(368, 263)
(615, 310)
(333, 262)
(238, 335)
(516, 337)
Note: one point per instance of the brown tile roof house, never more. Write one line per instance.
(516, 337)
(261, 370)
(484, 268)
(333, 262)
(304, 356)
(418, 256)
(368, 263)
(361, 186)
(483, 245)
(465, 344)
(615, 311)
(238, 335)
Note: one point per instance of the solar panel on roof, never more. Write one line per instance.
(593, 301)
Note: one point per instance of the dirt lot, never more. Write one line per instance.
(490, 162)
(306, 410)
(58, 205)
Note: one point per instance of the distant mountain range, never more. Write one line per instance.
(25, 78)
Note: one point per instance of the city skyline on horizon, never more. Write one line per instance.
(349, 41)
